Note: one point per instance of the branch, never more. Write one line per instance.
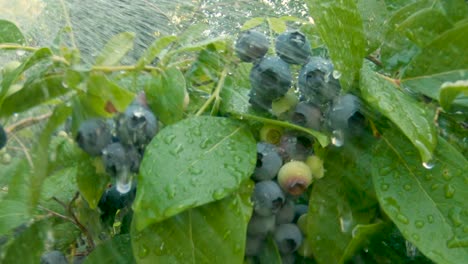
(26, 123)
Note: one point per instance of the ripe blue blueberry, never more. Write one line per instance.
(295, 147)
(261, 225)
(288, 238)
(268, 162)
(53, 257)
(112, 200)
(3, 137)
(94, 135)
(137, 126)
(267, 198)
(343, 108)
(253, 245)
(251, 45)
(293, 47)
(286, 213)
(316, 81)
(308, 115)
(270, 78)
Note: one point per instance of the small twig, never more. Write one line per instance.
(375, 60)
(83, 229)
(25, 150)
(57, 214)
(215, 95)
(26, 123)
(17, 47)
(123, 68)
(60, 202)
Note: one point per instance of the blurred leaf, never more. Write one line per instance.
(154, 51)
(204, 72)
(64, 153)
(12, 214)
(115, 49)
(449, 92)
(106, 93)
(428, 206)
(60, 185)
(341, 201)
(10, 33)
(29, 245)
(269, 253)
(361, 237)
(91, 180)
(165, 93)
(455, 9)
(373, 13)
(277, 25)
(199, 46)
(117, 250)
(253, 22)
(235, 99)
(212, 233)
(415, 122)
(65, 233)
(38, 56)
(193, 162)
(34, 94)
(430, 85)
(343, 35)
(443, 54)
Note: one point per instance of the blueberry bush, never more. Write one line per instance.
(338, 137)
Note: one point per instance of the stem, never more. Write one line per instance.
(323, 139)
(215, 95)
(17, 47)
(83, 229)
(25, 150)
(123, 68)
(68, 21)
(57, 214)
(26, 123)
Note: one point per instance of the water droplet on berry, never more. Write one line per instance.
(337, 138)
(336, 74)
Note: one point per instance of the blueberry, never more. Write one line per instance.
(53, 257)
(133, 158)
(288, 258)
(259, 102)
(270, 78)
(261, 225)
(295, 177)
(295, 147)
(316, 81)
(293, 47)
(94, 135)
(268, 162)
(286, 213)
(114, 158)
(288, 238)
(251, 45)
(137, 126)
(253, 245)
(112, 200)
(343, 108)
(3, 137)
(307, 115)
(267, 198)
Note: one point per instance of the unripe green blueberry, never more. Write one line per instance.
(6, 159)
(271, 134)
(294, 177)
(316, 166)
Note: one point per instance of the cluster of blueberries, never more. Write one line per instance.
(315, 102)
(282, 175)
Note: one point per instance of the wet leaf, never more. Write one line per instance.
(445, 53)
(91, 180)
(373, 15)
(269, 253)
(277, 25)
(60, 185)
(103, 91)
(10, 33)
(115, 49)
(343, 35)
(415, 122)
(451, 90)
(341, 201)
(253, 22)
(12, 214)
(193, 162)
(165, 93)
(189, 237)
(155, 50)
(429, 206)
(117, 250)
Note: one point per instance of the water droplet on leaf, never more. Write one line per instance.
(428, 165)
(449, 191)
(403, 219)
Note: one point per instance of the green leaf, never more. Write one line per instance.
(91, 180)
(10, 33)
(269, 253)
(430, 85)
(117, 250)
(165, 94)
(193, 162)
(253, 22)
(277, 25)
(373, 15)
(401, 109)
(428, 206)
(115, 49)
(154, 51)
(29, 245)
(212, 233)
(107, 96)
(8, 79)
(235, 98)
(362, 235)
(455, 9)
(445, 53)
(12, 214)
(343, 35)
(449, 92)
(34, 94)
(341, 201)
(62, 186)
